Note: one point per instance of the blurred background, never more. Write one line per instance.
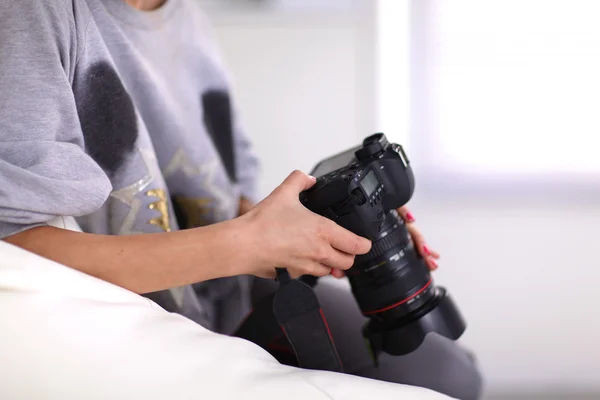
(497, 103)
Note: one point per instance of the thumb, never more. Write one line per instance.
(298, 182)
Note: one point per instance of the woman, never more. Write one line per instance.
(119, 113)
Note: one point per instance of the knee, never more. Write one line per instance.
(442, 365)
(461, 379)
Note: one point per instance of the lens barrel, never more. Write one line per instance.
(391, 280)
(394, 288)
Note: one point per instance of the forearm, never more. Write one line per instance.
(149, 262)
(245, 206)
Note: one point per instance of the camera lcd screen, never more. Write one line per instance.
(334, 163)
(370, 183)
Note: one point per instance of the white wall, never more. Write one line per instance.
(304, 80)
(524, 273)
(526, 278)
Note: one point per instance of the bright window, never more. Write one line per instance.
(497, 88)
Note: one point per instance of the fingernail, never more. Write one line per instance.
(426, 249)
(312, 177)
(337, 273)
(434, 263)
(409, 217)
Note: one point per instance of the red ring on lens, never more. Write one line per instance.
(400, 302)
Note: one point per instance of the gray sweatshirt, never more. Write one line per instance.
(124, 120)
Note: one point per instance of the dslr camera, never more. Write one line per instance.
(360, 189)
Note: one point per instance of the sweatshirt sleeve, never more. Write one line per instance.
(44, 171)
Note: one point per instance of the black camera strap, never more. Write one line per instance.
(297, 309)
(292, 312)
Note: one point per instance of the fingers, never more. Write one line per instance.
(314, 269)
(337, 273)
(418, 239)
(406, 215)
(326, 261)
(336, 259)
(298, 182)
(344, 240)
(432, 253)
(320, 270)
(430, 256)
(432, 264)
(317, 269)
(420, 244)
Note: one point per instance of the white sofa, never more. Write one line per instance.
(67, 335)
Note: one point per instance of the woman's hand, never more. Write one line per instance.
(286, 234)
(336, 261)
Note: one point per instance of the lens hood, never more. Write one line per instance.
(403, 336)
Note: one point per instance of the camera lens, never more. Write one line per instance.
(394, 289)
(392, 280)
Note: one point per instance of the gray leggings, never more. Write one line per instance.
(439, 364)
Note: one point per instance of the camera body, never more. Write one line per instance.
(360, 189)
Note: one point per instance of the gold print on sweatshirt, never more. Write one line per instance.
(194, 210)
(162, 207)
(205, 174)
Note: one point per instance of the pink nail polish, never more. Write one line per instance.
(409, 217)
(426, 250)
(435, 264)
(312, 177)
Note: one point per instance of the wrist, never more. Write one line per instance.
(255, 248)
(244, 245)
(215, 251)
